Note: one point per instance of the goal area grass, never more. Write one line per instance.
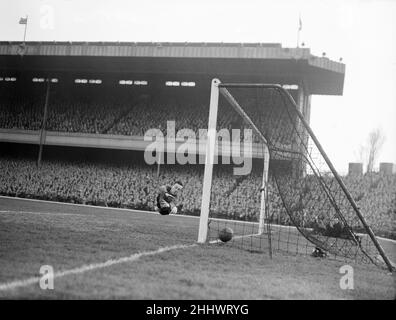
(156, 257)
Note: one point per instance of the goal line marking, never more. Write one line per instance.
(237, 237)
(43, 213)
(89, 267)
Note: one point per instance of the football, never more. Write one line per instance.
(226, 234)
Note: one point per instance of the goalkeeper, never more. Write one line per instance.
(166, 198)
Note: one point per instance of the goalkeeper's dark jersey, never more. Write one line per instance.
(165, 197)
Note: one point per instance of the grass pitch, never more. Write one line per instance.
(100, 253)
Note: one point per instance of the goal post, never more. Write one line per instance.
(264, 190)
(216, 91)
(209, 160)
(302, 201)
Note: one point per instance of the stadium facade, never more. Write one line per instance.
(182, 70)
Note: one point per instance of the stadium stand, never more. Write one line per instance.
(87, 110)
(20, 111)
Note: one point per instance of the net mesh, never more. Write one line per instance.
(305, 205)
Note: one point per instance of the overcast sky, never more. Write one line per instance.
(362, 32)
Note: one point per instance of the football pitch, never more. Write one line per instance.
(104, 253)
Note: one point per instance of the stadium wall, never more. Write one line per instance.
(108, 141)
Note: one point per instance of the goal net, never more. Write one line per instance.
(272, 184)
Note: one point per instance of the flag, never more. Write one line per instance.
(299, 23)
(23, 21)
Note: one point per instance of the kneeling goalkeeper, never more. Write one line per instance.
(166, 198)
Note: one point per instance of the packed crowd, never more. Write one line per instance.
(376, 193)
(135, 186)
(145, 116)
(83, 111)
(74, 113)
(123, 113)
(19, 112)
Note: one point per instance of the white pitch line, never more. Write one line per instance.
(386, 239)
(237, 237)
(45, 213)
(89, 267)
(34, 280)
(73, 204)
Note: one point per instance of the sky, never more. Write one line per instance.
(362, 32)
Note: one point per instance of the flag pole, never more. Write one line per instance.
(298, 38)
(299, 30)
(24, 35)
(44, 122)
